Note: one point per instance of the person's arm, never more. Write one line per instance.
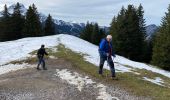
(101, 47)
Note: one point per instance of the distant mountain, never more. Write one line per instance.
(61, 26)
(71, 28)
(151, 30)
(74, 28)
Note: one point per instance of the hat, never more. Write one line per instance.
(109, 37)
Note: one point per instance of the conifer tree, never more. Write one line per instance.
(32, 26)
(95, 37)
(17, 22)
(86, 33)
(128, 38)
(5, 23)
(49, 28)
(93, 33)
(161, 48)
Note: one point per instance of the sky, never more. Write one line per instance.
(101, 11)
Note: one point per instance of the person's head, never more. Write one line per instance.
(42, 46)
(109, 38)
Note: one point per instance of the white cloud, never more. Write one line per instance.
(101, 11)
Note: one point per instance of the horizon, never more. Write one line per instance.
(99, 11)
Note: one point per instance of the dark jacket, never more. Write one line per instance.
(106, 47)
(41, 52)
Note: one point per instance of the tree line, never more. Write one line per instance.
(93, 33)
(15, 26)
(129, 32)
(161, 43)
(128, 29)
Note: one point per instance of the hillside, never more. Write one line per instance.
(134, 76)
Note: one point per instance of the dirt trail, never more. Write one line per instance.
(30, 84)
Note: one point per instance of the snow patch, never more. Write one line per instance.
(20, 49)
(14, 67)
(157, 80)
(103, 93)
(76, 79)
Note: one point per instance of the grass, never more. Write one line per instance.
(130, 82)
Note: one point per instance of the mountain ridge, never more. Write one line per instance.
(74, 28)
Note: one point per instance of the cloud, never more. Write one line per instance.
(101, 11)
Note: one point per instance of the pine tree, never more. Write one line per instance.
(102, 34)
(118, 30)
(92, 33)
(128, 38)
(49, 28)
(95, 37)
(86, 33)
(147, 49)
(5, 13)
(142, 24)
(5, 23)
(17, 22)
(161, 48)
(32, 26)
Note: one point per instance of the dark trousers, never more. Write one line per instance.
(41, 61)
(110, 63)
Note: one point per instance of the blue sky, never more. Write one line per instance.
(101, 11)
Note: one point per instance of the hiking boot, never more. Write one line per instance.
(38, 69)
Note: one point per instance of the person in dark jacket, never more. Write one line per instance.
(106, 52)
(40, 54)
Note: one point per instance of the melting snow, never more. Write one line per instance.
(13, 67)
(76, 79)
(157, 80)
(103, 93)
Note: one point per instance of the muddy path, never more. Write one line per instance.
(31, 84)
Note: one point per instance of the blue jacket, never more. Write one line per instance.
(104, 48)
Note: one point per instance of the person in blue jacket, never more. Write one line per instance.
(106, 52)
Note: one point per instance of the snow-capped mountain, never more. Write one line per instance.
(72, 28)
(151, 30)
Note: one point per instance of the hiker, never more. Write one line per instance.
(106, 52)
(40, 54)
